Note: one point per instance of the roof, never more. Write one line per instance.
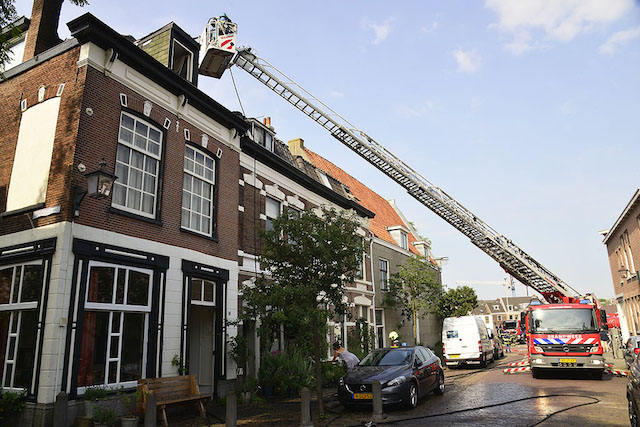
(632, 204)
(385, 214)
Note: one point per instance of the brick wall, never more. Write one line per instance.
(97, 138)
(51, 73)
(630, 224)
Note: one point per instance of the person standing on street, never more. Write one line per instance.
(604, 338)
(349, 359)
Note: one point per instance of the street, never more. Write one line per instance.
(490, 397)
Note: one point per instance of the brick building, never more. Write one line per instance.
(104, 291)
(623, 248)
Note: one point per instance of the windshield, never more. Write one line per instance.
(563, 320)
(511, 324)
(388, 357)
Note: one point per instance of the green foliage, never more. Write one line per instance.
(332, 372)
(103, 415)
(177, 362)
(361, 339)
(127, 399)
(414, 289)
(238, 349)
(95, 393)
(457, 302)
(11, 403)
(287, 372)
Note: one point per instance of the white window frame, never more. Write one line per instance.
(404, 241)
(632, 267)
(202, 301)
(17, 309)
(206, 181)
(384, 281)
(123, 308)
(189, 62)
(269, 218)
(146, 153)
(496, 307)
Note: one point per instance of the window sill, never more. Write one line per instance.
(204, 236)
(22, 210)
(134, 216)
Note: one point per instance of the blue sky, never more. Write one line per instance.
(524, 111)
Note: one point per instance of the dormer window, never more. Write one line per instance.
(182, 60)
(324, 179)
(263, 137)
(404, 241)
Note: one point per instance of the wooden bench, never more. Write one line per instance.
(173, 390)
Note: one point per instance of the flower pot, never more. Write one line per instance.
(88, 408)
(129, 421)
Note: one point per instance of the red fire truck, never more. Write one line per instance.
(566, 335)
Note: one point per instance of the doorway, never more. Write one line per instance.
(202, 345)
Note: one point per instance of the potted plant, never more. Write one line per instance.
(103, 417)
(11, 406)
(130, 419)
(91, 396)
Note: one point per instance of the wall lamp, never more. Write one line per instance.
(99, 185)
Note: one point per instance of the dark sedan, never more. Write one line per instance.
(631, 349)
(406, 374)
(633, 392)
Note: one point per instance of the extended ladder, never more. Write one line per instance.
(510, 257)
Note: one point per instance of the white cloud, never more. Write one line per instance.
(468, 61)
(336, 94)
(611, 45)
(381, 30)
(552, 19)
(430, 28)
(411, 112)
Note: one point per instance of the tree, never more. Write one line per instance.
(310, 259)
(8, 16)
(457, 302)
(414, 289)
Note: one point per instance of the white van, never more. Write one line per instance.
(465, 341)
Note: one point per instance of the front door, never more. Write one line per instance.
(201, 345)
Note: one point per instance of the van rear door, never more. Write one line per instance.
(460, 337)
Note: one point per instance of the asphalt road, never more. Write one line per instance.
(488, 397)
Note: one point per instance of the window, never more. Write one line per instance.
(182, 62)
(137, 166)
(15, 53)
(324, 179)
(627, 248)
(203, 292)
(262, 137)
(404, 241)
(380, 328)
(510, 317)
(361, 267)
(20, 291)
(486, 319)
(384, 274)
(272, 211)
(197, 191)
(510, 308)
(362, 312)
(115, 326)
(499, 317)
(496, 307)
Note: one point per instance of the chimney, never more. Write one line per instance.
(43, 29)
(296, 146)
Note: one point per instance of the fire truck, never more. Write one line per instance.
(562, 333)
(566, 334)
(514, 329)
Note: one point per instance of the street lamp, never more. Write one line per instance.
(99, 185)
(623, 272)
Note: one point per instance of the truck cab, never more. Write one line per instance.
(565, 335)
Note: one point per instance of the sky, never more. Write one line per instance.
(524, 111)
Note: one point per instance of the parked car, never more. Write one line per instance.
(406, 374)
(465, 341)
(498, 345)
(630, 349)
(633, 392)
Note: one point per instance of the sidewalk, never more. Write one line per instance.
(618, 363)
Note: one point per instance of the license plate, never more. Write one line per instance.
(567, 361)
(453, 356)
(363, 396)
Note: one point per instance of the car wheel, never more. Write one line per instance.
(439, 391)
(633, 414)
(412, 396)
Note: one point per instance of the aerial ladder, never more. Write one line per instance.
(511, 258)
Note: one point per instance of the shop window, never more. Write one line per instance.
(115, 326)
(197, 191)
(20, 291)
